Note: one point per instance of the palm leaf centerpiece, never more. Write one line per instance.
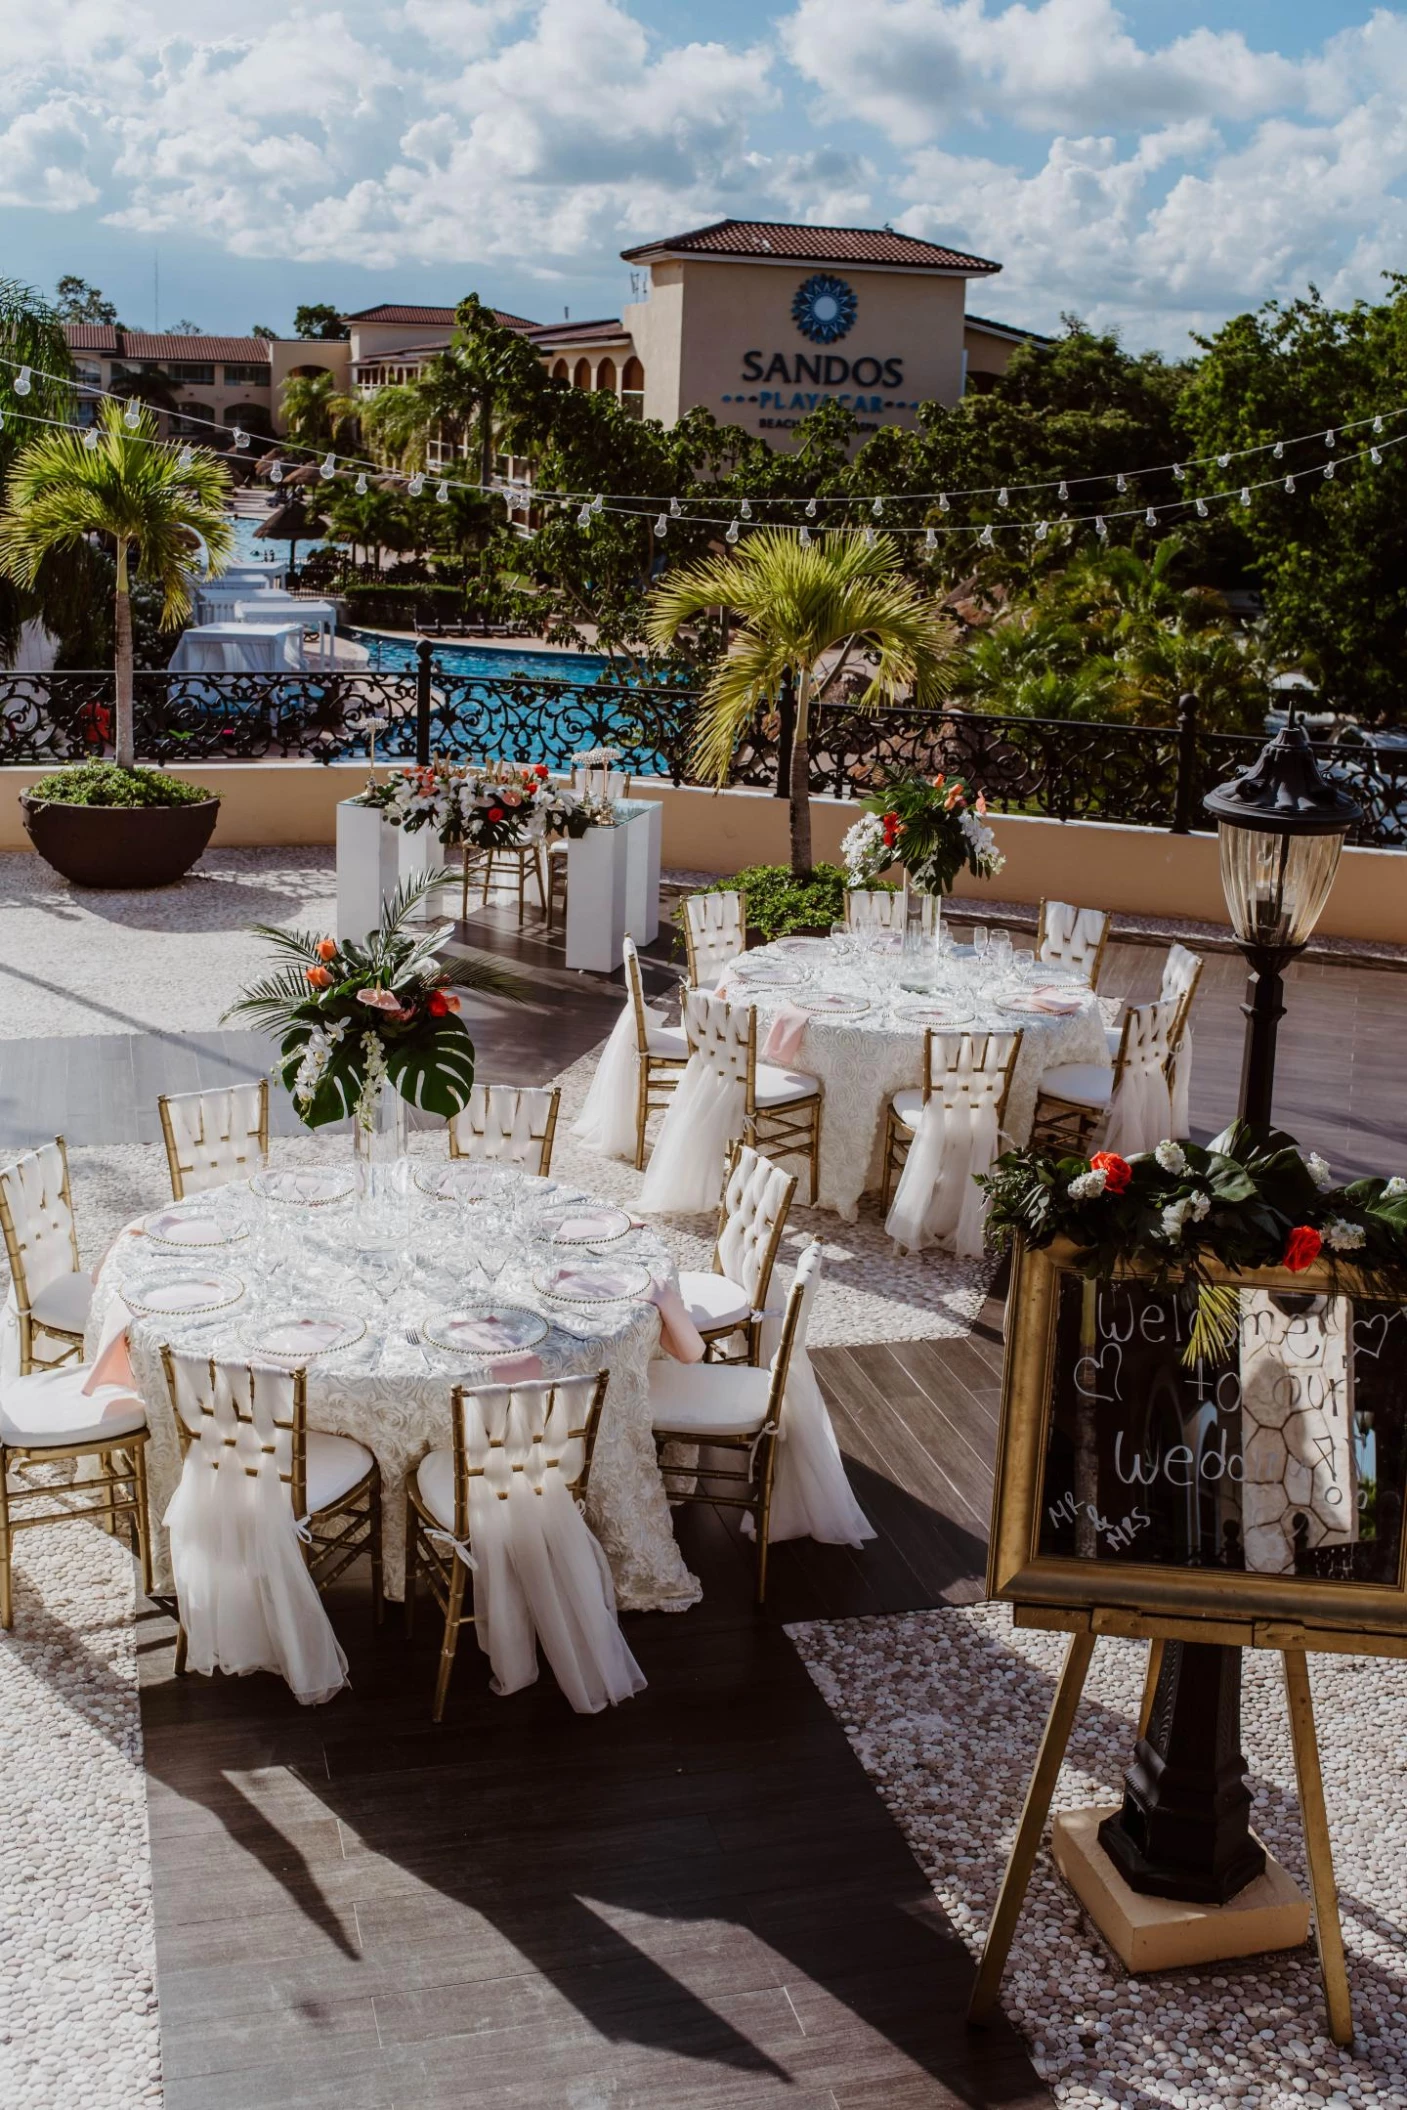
(352, 1017)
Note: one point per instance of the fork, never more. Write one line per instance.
(413, 1338)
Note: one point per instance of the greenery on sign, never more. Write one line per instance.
(105, 784)
(778, 902)
(352, 1016)
(1245, 1201)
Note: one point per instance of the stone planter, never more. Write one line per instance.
(119, 846)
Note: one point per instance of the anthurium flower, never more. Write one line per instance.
(383, 1000)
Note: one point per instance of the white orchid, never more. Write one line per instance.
(1320, 1171)
(1171, 1156)
(1343, 1236)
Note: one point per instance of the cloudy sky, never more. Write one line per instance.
(1157, 165)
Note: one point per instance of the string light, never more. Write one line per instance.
(241, 439)
(746, 509)
(1245, 495)
(1042, 530)
(1329, 471)
(1375, 456)
(674, 509)
(442, 493)
(1329, 439)
(1064, 491)
(1150, 518)
(360, 485)
(1121, 483)
(1223, 461)
(943, 505)
(805, 538)
(90, 438)
(23, 383)
(930, 541)
(732, 534)
(1279, 453)
(662, 526)
(1178, 472)
(1378, 426)
(583, 518)
(1201, 508)
(1101, 527)
(597, 503)
(1003, 496)
(187, 456)
(131, 417)
(1290, 485)
(276, 473)
(869, 538)
(329, 468)
(416, 484)
(986, 538)
(877, 508)
(810, 509)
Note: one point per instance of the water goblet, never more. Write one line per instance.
(981, 941)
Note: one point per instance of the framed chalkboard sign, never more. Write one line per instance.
(1262, 1490)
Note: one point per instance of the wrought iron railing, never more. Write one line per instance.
(1063, 769)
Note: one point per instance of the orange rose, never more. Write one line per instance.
(1117, 1171)
(327, 948)
(319, 977)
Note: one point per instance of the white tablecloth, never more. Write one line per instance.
(862, 1061)
(381, 1391)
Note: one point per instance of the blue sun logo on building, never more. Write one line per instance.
(824, 308)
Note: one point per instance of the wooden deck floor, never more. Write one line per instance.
(696, 1901)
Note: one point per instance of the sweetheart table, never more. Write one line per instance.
(863, 1035)
(307, 1263)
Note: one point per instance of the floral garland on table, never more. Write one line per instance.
(351, 1017)
(1243, 1201)
(488, 807)
(934, 829)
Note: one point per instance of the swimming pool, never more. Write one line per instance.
(490, 662)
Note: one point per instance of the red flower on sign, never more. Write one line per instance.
(1117, 1171)
(1302, 1248)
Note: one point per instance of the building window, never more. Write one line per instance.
(632, 389)
(189, 420)
(244, 376)
(198, 373)
(562, 373)
(606, 376)
(582, 376)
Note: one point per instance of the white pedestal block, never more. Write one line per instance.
(597, 886)
(368, 868)
(644, 839)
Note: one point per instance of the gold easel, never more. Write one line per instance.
(1323, 1893)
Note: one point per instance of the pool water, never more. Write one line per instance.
(492, 662)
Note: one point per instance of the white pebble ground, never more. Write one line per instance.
(945, 1709)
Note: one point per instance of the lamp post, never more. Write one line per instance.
(1184, 1829)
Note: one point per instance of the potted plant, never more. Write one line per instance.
(122, 826)
(104, 826)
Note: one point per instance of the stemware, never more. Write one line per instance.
(999, 952)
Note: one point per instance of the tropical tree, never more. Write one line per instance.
(811, 609)
(133, 490)
(31, 335)
(317, 413)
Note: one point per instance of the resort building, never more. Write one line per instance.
(757, 321)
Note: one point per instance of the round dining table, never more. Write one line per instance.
(455, 1274)
(864, 1008)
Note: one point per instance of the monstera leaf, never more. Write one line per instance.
(435, 1070)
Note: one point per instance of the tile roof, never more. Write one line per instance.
(146, 344)
(1005, 329)
(395, 311)
(798, 244)
(607, 326)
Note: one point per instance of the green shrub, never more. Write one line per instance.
(104, 784)
(778, 902)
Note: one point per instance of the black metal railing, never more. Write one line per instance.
(1061, 769)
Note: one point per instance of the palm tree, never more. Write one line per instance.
(316, 413)
(141, 494)
(31, 335)
(796, 605)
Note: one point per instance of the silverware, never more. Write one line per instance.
(413, 1338)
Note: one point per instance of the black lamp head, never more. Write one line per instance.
(1285, 792)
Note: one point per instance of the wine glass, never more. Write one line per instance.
(981, 941)
(491, 1243)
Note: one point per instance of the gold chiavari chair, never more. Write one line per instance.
(715, 933)
(1073, 937)
(53, 1293)
(47, 1419)
(1074, 1098)
(973, 1067)
(496, 1431)
(510, 1124)
(752, 1215)
(662, 1053)
(214, 1136)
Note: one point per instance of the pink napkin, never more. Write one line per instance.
(112, 1365)
(515, 1369)
(783, 1042)
(1057, 1006)
(679, 1336)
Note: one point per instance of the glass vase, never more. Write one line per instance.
(379, 1142)
(922, 924)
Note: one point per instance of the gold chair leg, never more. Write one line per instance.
(143, 1517)
(642, 1113)
(7, 1608)
(1028, 1836)
(453, 1607)
(1328, 1933)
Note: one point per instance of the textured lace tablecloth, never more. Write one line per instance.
(863, 1061)
(381, 1391)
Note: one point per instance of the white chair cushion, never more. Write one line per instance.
(334, 1466)
(707, 1399)
(1082, 1083)
(64, 1302)
(908, 1105)
(669, 1040)
(779, 1087)
(1112, 1037)
(714, 1301)
(51, 1407)
(435, 1480)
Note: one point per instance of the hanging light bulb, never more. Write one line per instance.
(1150, 518)
(662, 526)
(1375, 456)
(131, 417)
(241, 438)
(732, 534)
(810, 509)
(674, 509)
(1178, 472)
(583, 518)
(442, 493)
(877, 508)
(1121, 482)
(746, 509)
(930, 540)
(187, 457)
(328, 468)
(417, 483)
(1201, 508)
(1101, 527)
(1329, 471)
(23, 384)
(869, 538)
(90, 438)
(1042, 530)
(1290, 485)
(1223, 461)
(1279, 451)
(1330, 438)
(1377, 425)
(1245, 495)
(1064, 491)
(598, 503)
(1003, 496)
(276, 473)
(943, 505)
(360, 485)
(986, 538)
(805, 538)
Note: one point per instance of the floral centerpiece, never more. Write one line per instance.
(1245, 1201)
(934, 829)
(493, 806)
(357, 1023)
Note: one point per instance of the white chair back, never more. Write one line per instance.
(215, 1136)
(1140, 1111)
(1073, 937)
(715, 932)
(966, 1079)
(723, 1033)
(796, 1323)
(756, 1198)
(963, 1069)
(238, 1419)
(1182, 970)
(514, 1124)
(36, 1209)
(635, 993)
(542, 1431)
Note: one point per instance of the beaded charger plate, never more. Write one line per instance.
(182, 1296)
(577, 1283)
(833, 1003)
(918, 1013)
(311, 1187)
(463, 1181)
(297, 1336)
(191, 1230)
(581, 1223)
(775, 973)
(485, 1330)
